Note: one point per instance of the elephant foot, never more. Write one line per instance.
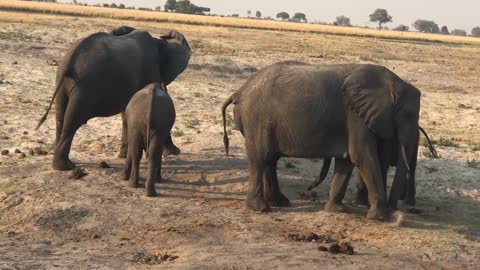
(335, 207)
(172, 150)
(257, 204)
(125, 175)
(376, 214)
(410, 201)
(62, 164)
(279, 200)
(151, 192)
(132, 184)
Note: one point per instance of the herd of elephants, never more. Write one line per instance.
(361, 115)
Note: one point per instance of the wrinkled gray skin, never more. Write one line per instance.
(150, 115)
(100, 73)
(292, 109)
(403, 188)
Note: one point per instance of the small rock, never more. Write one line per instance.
(14, 62)
(296, 237)
(322, 248)
(346, 249)
(414, 211)
(17, 151)
(5, 137)
(25, 133)
(31, 152)
(21, 155)
(96, 236)
(312, 237)
(78, 173)
(104, 165)
(52, 62)
(334, 248)
(41, 152)
(5, 152)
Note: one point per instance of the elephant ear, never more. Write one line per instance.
(174, 54)
(370, 93)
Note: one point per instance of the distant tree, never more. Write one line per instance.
(144, 9)
(342, 21)
(458, 32)
(381, 16)
(170, 5)
(299, 17)
(106, 5)
(426, 26)
(235, 15)
(283, 16)
(476, 32)
(121, 6)
(258, 14)
(159, 8)
(249, 12)
(401, 27)
(444, 30)
(185, 6)
(113, 5)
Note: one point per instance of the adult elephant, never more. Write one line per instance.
(403, 187)
(100, 73)
(293, 109)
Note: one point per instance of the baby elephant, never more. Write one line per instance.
(150, 115)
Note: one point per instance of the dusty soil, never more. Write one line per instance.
(199, 220)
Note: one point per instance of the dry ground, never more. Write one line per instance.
(50, 221)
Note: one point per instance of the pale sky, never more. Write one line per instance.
(461, 14)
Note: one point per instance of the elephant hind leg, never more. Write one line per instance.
(124, 140)
(342, 172)
(134, 154)
(155, 152)
(61, 103)
(257, 166)
(272, 193)
(74, 118)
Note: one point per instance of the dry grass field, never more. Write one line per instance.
(125, 14)
(199, 220)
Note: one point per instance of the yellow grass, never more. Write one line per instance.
(65, 9)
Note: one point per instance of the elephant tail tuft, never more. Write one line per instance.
(225, 135)
(323, 173)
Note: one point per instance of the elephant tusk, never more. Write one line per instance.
(404, 156)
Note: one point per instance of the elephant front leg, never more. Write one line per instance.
(343, 170)
(272, 193)
(124, 139)
(370, 171)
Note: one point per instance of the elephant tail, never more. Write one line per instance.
(430, 145)
(149, 119)
(44, 117)
(225, 135)
(323, 173)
